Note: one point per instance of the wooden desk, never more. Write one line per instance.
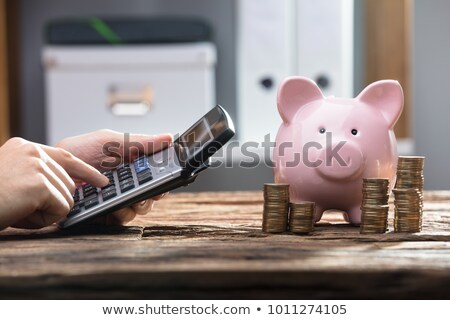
(210, 245)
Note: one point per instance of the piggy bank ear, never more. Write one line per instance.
(294, 93)
(386, 96)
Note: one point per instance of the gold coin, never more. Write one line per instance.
(276, 207)
(301, 218)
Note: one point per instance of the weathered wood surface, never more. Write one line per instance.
(210, 245)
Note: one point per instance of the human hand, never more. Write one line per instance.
(36, 183)
(106, 149)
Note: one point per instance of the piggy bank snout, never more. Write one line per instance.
(341, 161)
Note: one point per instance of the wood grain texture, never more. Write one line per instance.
(210, 245)
(4, 114)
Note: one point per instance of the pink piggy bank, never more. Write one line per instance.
(326, 145)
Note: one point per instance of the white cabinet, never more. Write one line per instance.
(137, 89)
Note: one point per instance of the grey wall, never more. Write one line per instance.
(34, 14)
(431, 89)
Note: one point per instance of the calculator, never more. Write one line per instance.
(151, 175)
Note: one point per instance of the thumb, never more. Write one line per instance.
(148, 144)
(129, 146)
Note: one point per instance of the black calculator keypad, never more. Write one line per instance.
(125, 176)
(121, 180)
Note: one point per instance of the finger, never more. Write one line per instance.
(152, 144)
(121, 216)
(143, 207)
(159, 197)
(57, 177)
(60, 179)
(36, 220)
(54, 205)
(75, 167)
(62, 175)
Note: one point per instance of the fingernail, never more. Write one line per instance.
(166, 136)
(105, 181)
(142, 203)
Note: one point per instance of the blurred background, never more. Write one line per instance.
(151, 66)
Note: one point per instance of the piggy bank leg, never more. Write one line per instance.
(318, 213)
(354, 215)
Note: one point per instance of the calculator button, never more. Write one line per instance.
(141, 164)
(123, 171)
(123, 168)
(144, 176)
(89, 191)
(111, 182)
(87, 187)
(76, 196)
(125, 176)
(109, 185)
(75, 209)
(108, 173)
(126, 181)
(109, 194)
(91, 201)
(109, 188)
(126, 185)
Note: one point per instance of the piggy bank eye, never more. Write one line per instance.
(354, 132)
(322, 130)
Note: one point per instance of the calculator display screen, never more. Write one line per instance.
(196, 137)
(204, 138)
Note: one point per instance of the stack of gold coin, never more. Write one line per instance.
(408, 210)
(374, 206)
(408, 194)
(410, 173)
(301, 218)
(276, 207)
